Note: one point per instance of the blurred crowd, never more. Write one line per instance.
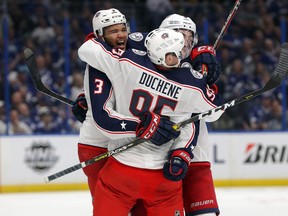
(55, 29)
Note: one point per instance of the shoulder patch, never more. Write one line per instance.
(186, 65)
(136, 36)
(195, 73)
(139, 52)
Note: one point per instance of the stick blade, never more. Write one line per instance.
(36, 79)
(282, 66)
(281, 69)
(33, 70)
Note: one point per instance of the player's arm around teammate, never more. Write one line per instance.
(98, 100)
(188, 28)
(138, 158)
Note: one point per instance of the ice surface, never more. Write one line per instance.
(241, 201)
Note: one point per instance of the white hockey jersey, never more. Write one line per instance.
(139, 87)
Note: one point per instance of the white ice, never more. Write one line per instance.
(248, 201)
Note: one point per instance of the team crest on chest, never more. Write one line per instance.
(136, 36)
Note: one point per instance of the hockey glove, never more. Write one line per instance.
(205, 61)
(177, 166)
(157, 129)
(79, 108)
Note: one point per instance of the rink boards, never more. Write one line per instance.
(238, 159)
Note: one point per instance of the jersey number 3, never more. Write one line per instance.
(98, 86)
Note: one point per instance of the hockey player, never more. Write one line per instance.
(176, 94)
(203, 59)
(92, 142)
(200, 164)
(198, 186)
(109, 26)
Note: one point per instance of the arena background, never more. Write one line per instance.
(249, 144)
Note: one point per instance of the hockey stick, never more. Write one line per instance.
(276, 79)
(227, 23)
(34, 72)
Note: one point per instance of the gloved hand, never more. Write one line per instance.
(155, 128)
(178, 162)
(79, 108)
(205, 61)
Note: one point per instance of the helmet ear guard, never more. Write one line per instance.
(161, 42)
(105, 18)
(195, 39)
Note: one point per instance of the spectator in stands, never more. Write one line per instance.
(45, 74)
(25, 115)
(270, 54)
(273, 119)
(17, 126)
(247, 18)
(3, 127)
(47, 124)
(157, 10)
(43, 34)
(76, 85)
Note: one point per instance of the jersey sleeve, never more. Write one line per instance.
(208, 101)
(188, 137)
(101, 100)
(101, 58)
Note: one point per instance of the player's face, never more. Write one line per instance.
(171, 60)
(188, 42)
(116, 36)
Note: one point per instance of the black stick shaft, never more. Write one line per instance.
(227, 23)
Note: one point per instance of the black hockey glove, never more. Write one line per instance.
(205, 61)
(79, 108)
(178, 162)
(157, 129)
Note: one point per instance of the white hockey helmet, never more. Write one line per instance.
(105, 18)
(160, 42)
(176, 21)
